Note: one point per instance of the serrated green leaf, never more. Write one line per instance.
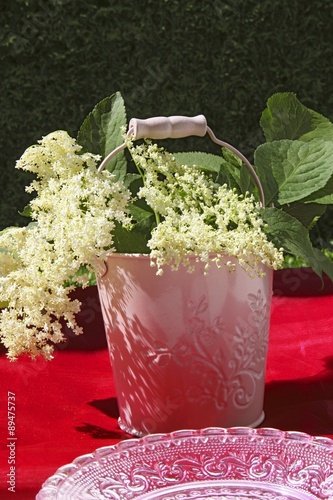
(205, 161)
(101, 132)
(286, 231)
(298, 168)
(307, 168)
(285, 117)
(323, 196)
(323, 128)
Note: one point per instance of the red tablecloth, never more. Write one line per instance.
(67, 407)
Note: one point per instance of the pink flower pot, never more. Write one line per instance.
(188, 350)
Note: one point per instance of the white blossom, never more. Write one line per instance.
(200, 217)
(75, 210)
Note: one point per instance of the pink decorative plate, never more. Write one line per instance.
(211, 464)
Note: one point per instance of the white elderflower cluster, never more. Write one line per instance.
(200, 217)
(75, 211)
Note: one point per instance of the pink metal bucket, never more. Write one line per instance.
(188, 350)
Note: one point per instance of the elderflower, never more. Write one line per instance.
(200, 217)
(75, 212)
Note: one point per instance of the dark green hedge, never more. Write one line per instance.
(219, 58)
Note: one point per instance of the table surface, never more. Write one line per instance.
(67, 407)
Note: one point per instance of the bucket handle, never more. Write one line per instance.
(177, 127)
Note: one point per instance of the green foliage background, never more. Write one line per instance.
(58, 58)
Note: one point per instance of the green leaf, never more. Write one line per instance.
(298, 168)
(325, 262)
(133, 182)
(135, 239)
(287, 232)
(129, 240)
(101, 132)
(231, 157)
(206, 162)
(143, 216)
(308, 214)
(323, 196)
(323, 128)
(246, 181)
(285, 117)
(26, 212)
(264, 157)
(237, 172)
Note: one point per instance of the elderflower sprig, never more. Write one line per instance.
(199, 217)
(75, 212)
